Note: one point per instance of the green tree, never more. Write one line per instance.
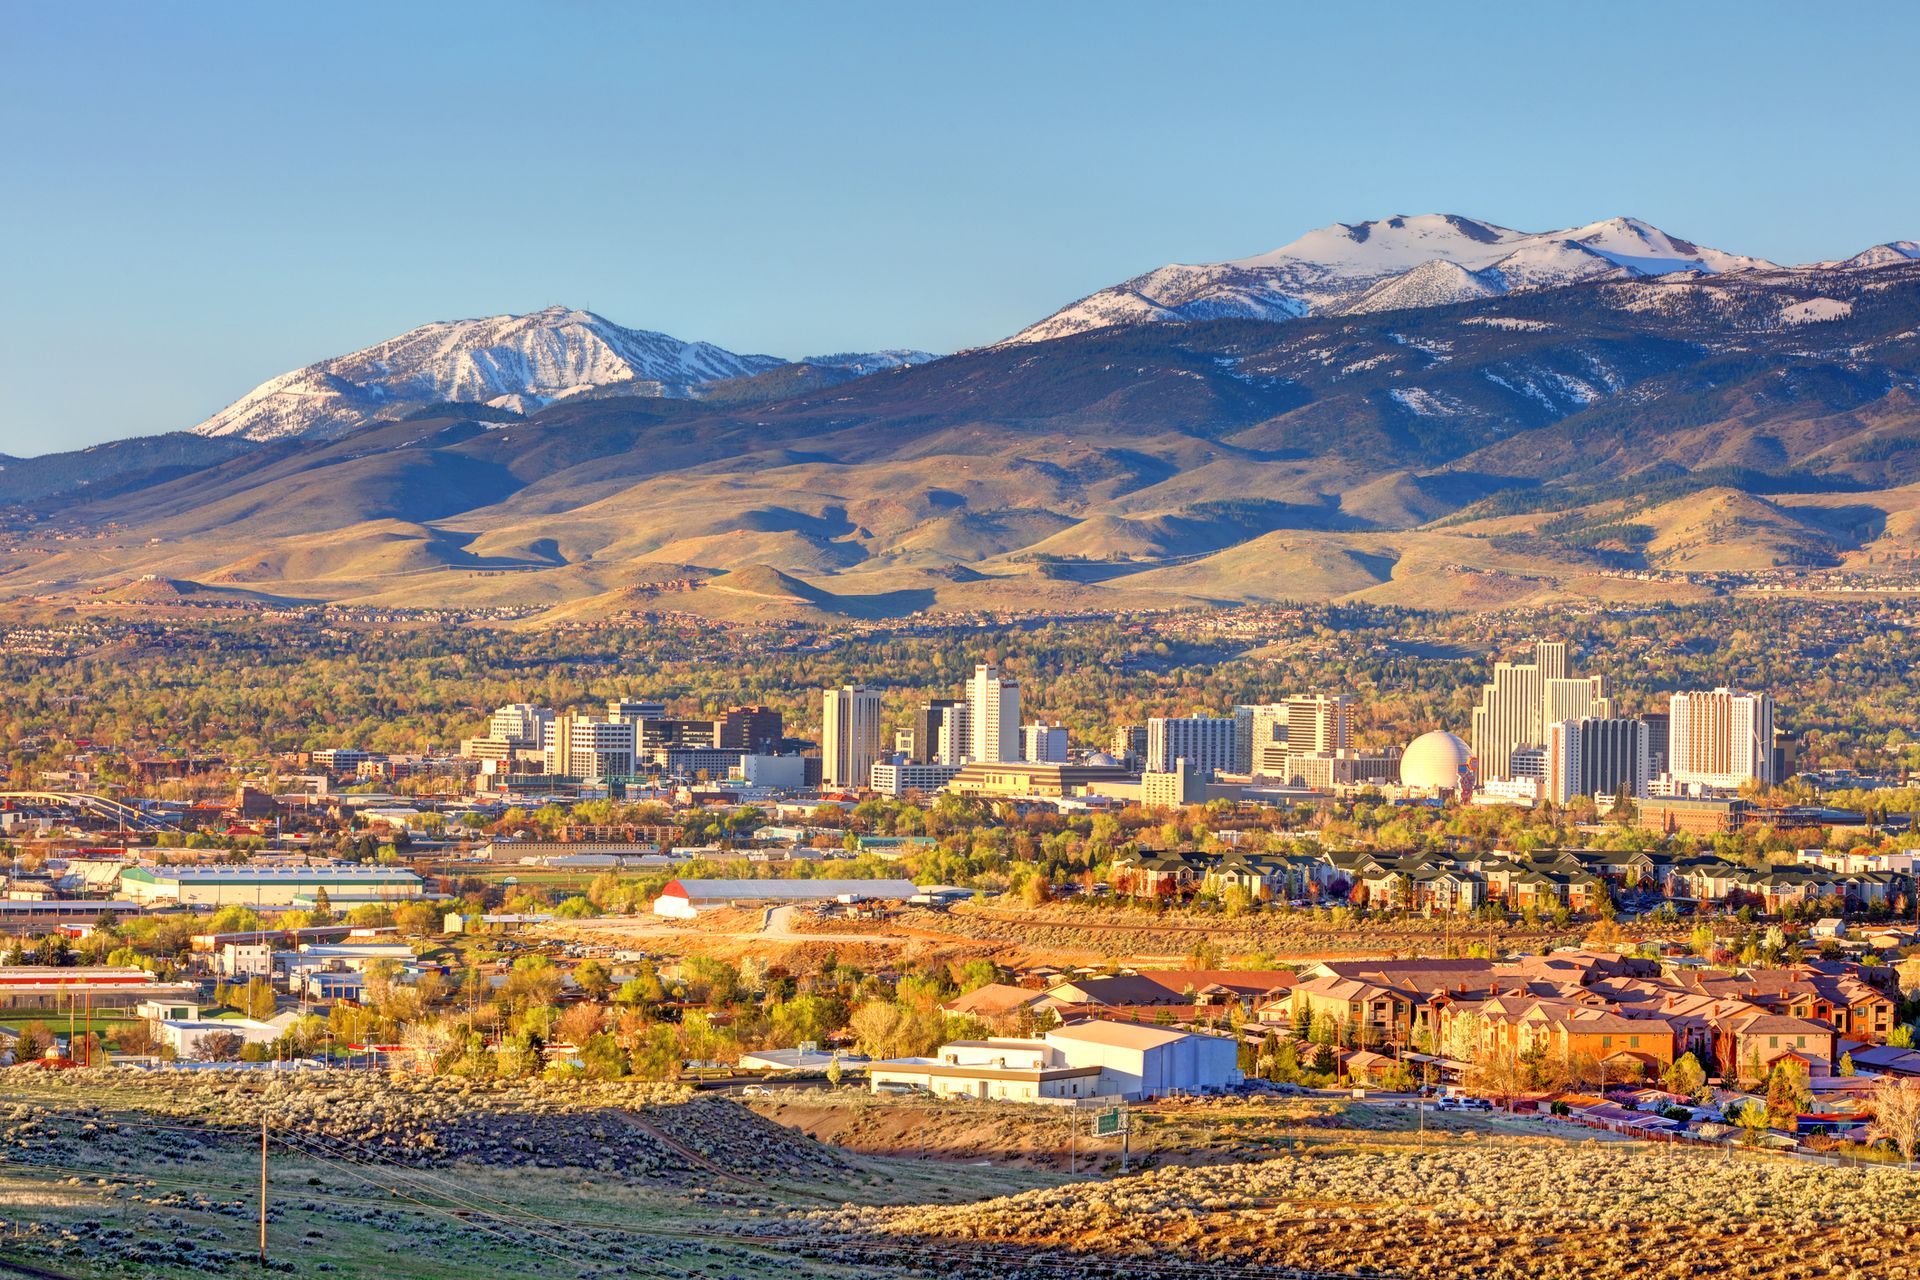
(594, 978)
(1685, 1076)
(1752, 1118)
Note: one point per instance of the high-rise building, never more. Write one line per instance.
(591, 749)
(634, 710)
(520, 724)
(1256, 725)
(1528, 762)
(1308, 723)
(560, 744)
(956, 735)
(517, 733)
(1319, 722)
(754, 727)
(929, 726)
(1043, 743)
(993, 707)
(1129, 743)
(1206, 743)
(1659, 726)
(1523, 699)
(1720, 739)
(657, 734)
(1595, 757)
(850, 735)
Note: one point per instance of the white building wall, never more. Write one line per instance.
(993, 706)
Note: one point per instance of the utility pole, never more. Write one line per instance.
(263, 1188)
(1420, 1105)
(1073, 1148)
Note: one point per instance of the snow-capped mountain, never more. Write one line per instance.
(1429, 260)
(515, 362)
(1881, 255)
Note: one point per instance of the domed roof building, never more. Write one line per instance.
(1102, 760)
(1435, 761)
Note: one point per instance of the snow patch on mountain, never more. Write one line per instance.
(1816, 311)
(865, 362)
(1513, 324)
(1428, 404)
(1431, 284)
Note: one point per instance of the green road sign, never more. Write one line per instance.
(1108, 1123)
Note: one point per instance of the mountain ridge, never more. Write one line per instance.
(519, 362)
(1436, 443)
(1341, 268)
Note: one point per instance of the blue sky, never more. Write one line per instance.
(198, 197)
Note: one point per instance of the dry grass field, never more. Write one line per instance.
(1518, 1209)
(107, 1174)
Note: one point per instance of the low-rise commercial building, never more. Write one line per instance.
(1095, 1059)
(267, 886)
(1013, 779)
(898, 777)
(101, 986)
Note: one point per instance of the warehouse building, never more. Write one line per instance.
(268, 886)
(98, 986)
(1095, 1059)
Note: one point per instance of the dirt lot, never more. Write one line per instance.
(1101, 934)
(1053, 935)
(1188, 1132)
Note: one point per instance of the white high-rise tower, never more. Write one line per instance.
(993, 716)
(850, 735)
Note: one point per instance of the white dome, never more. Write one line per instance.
(1434, 760)
(1101, 760)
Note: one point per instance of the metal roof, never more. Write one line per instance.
(269, 875)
